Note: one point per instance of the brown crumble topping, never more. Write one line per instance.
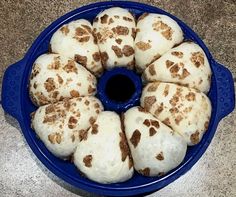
(92, 120)
(55, 138)
(89, 29)
(151, 70)
(74, 93)
(94, 129)
(194, 138)
(135, 138)
(88, 160)
(145, 171)
(104, 57)
(177, 54)
(49, 109)
(141, 109)
(197, 59)
(143, 46)
(152, 131)
(82, 39)
(149, 101)
(65, 30)
(153, 87)
(178, 119)
(174, 100)
(147, 122)
(96, 56)
(70, 67)
(42, 100)
(127, 50)
(174, 69)
(110, 21)
(86, 102)
(166, 121)
(66, 104)
(59, 78)
(169, 63)
(155, 123)
(83, 135)
(166, 31)
(131, 64)
(50, 85)
(35, 85)
(206, 124)
(104, 19)
(120, 30)
(185, 73)
(35, 72)
(91, 89)
(80, 31)
(174, 110)
(81, 59)
(166, 90)
(160, 156)
(96, 105)
(118, 40)
(190, 96)
(72, 122)
(117, 51)
(159, 109)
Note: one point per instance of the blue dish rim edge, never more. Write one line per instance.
(150, 187)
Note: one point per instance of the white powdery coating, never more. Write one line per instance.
(76, 38)
(185, 110)
(59, 125)
(156, 34)
(56, 77)
(100, 157)
(115, 29)
(158, 151)
(186, 64)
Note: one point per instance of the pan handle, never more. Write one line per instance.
(225, 94)
(11, 89)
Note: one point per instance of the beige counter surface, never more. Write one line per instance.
(22, 174)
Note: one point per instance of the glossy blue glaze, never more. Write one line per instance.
(112, 105)
(16, 102)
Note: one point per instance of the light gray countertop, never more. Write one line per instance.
(22, 174)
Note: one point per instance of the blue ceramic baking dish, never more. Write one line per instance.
(16, 102)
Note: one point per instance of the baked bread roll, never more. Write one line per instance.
(55, 77)
(156, 34)
(62, 125)
(75, 40)
(104, 156)
(185, 110)
(114, 30)
(156, 149)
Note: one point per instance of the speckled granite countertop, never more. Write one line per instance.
(22, 174)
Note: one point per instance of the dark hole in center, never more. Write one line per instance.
(120, 88)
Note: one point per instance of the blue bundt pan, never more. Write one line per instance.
(16, 102)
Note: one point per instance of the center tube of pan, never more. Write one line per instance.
(119, 89)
